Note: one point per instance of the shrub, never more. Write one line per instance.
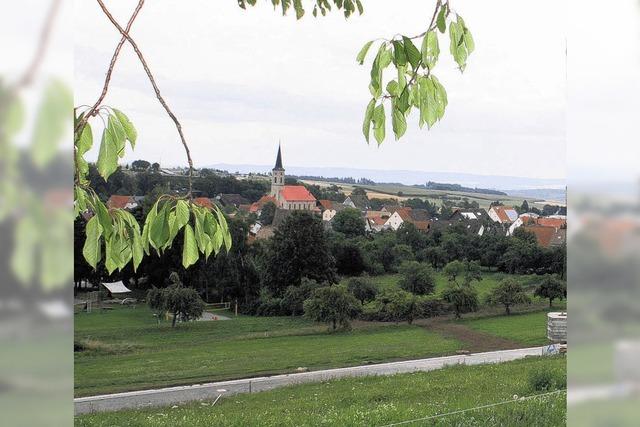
(268, 305)
(362, 288)
(294, 296)
(542, 380)
(349, 260)
(333, 305)
(417, 278)
(432, 307)
(393, 305)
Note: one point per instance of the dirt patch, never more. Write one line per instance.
(474, 341)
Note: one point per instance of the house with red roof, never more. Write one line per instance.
(289, 197)
(503, 214)
(122, 202)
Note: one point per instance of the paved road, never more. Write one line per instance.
(210, 391)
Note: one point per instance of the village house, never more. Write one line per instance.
(418, 217)
(547, 236)
(357, 201)
(330, 208)
(503, 214)
(124, 202)
(526, 219)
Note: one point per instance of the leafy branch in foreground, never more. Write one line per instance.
(114, 234)
(415, 87)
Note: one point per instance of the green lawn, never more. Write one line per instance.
(125, 349)
(529, 329)
(371, 401)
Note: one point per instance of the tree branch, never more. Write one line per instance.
(125, 34)
(94, 109)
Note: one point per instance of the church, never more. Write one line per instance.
(289, 197)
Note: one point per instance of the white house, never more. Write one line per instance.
(503, 214)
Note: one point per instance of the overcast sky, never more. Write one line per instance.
(240, 81)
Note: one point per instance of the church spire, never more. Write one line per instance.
(279, 159)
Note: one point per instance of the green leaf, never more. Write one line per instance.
(399, 54)
(127, 126)
(189, 249)
(137, 250)
(468, 41)
(379, 123)
(117, 133)
(297, 5)
(368, 114)
(360, 8)
(83, 144)
(182, 214)
(393, 88)
(399, 123)
(51, 123)
(92, 249)
(202, 239)
(430, 49)
(159, 229)
(224, 228)
(363, 52)
(413, 54)
(107, 156)
(103, 216)
(441, 20)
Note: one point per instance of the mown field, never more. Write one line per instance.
(125, 348)
(377, 401)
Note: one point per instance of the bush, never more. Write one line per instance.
(362, 288)
(333, 305)
(294, 296)
(268, 305)
(542, 380)
(349, 260)
(417, 278)
(432, 307)
(393, 305)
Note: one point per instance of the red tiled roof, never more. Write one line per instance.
(544, 235)
(255, 207)
(405, 213)
(378, 220)
(326, 204)
(119, 202)
(205, 202)
(296, 193)
(552, 222)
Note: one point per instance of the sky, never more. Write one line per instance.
(243, 80)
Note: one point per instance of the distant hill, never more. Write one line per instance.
(553, 194)
(407, 177)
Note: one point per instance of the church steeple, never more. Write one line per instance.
(279, 159)
(277, 176)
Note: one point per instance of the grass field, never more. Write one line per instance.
(371, 401)
(488, 282)
(523, 328)
(125, 349)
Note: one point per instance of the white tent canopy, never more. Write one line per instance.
(116, 288)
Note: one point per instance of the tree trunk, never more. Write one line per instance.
(508, 309)
(550, 302)
(334, 324)
(175, 316)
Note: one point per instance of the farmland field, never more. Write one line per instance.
(369, 401)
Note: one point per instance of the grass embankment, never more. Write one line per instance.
(125, 349)
(370, 401)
